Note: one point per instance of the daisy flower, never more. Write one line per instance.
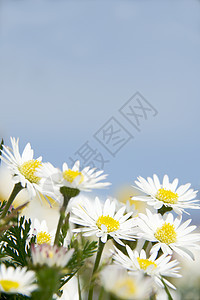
(43, 235)
(168, 234)
(23, 166)
(167, 194)
(156, 268)
(103, 221)
(17, 281)
(51, 255)
(83, 180)
(118, 282)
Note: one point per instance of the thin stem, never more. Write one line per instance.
(61, 219)
(97, 261)
(145, 245)
(63, 283)
(166, 290)
(17, 188)
(101, 294)
(79, 287)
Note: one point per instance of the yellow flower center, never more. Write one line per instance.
(28, 169)
(43, 238)
(70, 175)
(109, 222)
(125, 288)
(167, 196)
(7, 285)
(145, 263)
(166, 234)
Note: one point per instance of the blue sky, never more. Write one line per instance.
(66, 67)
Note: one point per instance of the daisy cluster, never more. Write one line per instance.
(59, 243)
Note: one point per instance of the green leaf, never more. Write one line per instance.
(81, 253)
(64, 230)
(13, 297)
(15, 242)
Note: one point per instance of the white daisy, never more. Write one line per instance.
(168, 234)
(17, 281)
(117, 281)
(42, 233)
(23, 166)
(103, 221)
(83, 180)
(51, 255)
(167, 194)
(156, 268)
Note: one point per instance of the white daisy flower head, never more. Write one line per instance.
(23, 167)
(82, 180)
(42, 233)
(168, 234)
(167, 194)
(156, 268)
(104, 221)
(17, 281)
(117, 281)
(52, 256)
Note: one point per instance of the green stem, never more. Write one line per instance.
(61, 219)
(145, 245)
(17, 188)
(101, 294)
(166, 290)
(64, 282)
(97, 261)
(79, 287)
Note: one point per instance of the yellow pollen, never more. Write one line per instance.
(70, 175)
(125, 288)
(28, 169)
(43, 238)
(145, 263)
(166, 234)
(167, 196)
(7, 285)
(109, 222)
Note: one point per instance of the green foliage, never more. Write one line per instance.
(81, 253)
(10, 219)
(15, 242)
(48, 282)
(13, 297)
(64, 230)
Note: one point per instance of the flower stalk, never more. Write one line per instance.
(96, 265)
(61, 220)
(17, 188)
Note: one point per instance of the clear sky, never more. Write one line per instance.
(67, 67)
